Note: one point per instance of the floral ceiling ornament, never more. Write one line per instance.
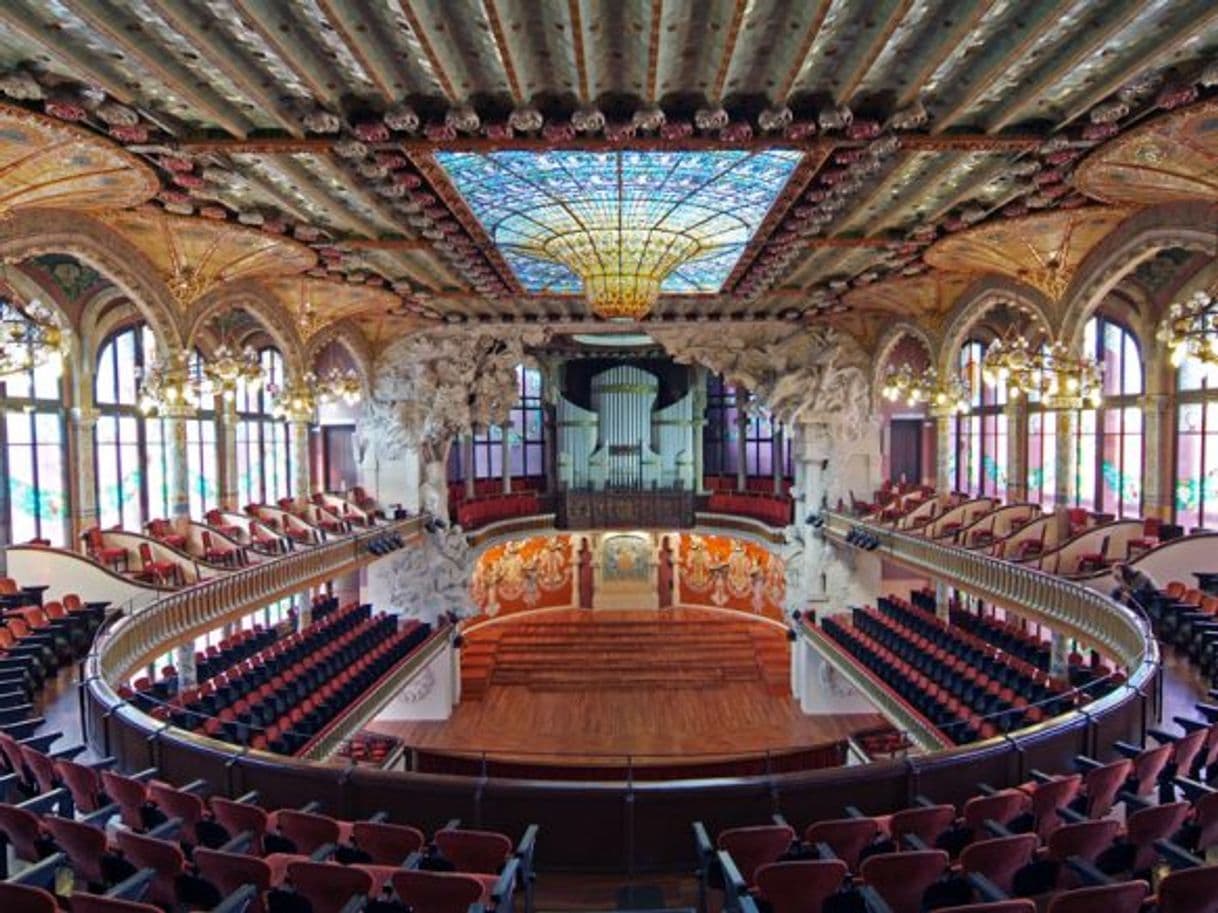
(708, 119)
(526, 120)
(463, 119)
(21, 86)
(588, 120)
(772, 120)
(402, 118)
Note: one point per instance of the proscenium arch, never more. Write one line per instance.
(976, 301)
(1191, 226)
(254, 298)
(30, 233)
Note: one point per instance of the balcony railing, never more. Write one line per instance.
(135, 640)
(1064, 606)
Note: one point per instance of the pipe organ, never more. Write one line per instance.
(623, 442)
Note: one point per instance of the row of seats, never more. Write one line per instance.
(178, 848)
(1030, 682)
(1188, 618)
(490, 509)
(1006, 634)
(279, 699)
(1055, 842)
(771, 509)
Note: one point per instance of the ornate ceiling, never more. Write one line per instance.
(931, 132)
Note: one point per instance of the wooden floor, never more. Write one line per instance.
(575, 685)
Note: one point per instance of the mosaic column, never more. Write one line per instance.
(298, 436)
(776, 456)
(945, 456)
(467, 463)
(184, 662)
(742, 428)
(1065, 457)
(699, 421)
(179, 469)
(1157, 472)
(229, 488)
(1016, 412)
(83, 431)
(505, 446)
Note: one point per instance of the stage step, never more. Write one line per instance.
(565, 654)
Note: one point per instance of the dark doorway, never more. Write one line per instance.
(905, 450)
(338, 457)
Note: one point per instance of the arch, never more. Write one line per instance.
(973, 304)
(347, 334)
(249, 295)
(887, 344)
(1191, 226)
(27, 234)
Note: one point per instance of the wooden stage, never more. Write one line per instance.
(573, 686)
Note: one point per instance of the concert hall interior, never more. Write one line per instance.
(525, 456)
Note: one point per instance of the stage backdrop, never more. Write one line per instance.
(533, 573)
(542, 572)
(729, 573)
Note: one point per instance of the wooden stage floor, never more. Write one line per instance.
(575, 686)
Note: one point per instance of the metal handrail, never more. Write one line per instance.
(131, 640)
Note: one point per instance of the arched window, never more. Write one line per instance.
(981, 432)
(32, 457)
(1196, 482)
(1109, 439)
(132, 451)
(1042, 451)
(264, 460)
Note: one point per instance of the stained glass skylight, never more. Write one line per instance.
(565, 220)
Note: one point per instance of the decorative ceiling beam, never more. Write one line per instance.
(162, 62)
(73, 58)
(653, 50)
(1049, 19)
(577, 47)
(307, 185)
(313, 69)
(1032, 91)
(842, 242)
(220, 54)
(947, 42)
(505, 52)
(391, 244)
(971, 142)
(876, 47)
(363, 43)
(902, 161)
(729, 49)
(437, 66)
(370, 199)
(783, 89)
(1163, 50)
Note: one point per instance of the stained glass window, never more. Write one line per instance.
(263, 455)
(33, 484)
(1196, 482)
(1109, 439)
(550, 212)
(526, 437)
(721, 435)
(980, 434)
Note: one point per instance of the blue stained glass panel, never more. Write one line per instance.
(525, 200)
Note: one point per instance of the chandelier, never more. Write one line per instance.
(228, 368)
(295, 401)
(1190, 330)
(339, 386)
(31, 337)
(945, 396)
(170, 388)
(1049, 372)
